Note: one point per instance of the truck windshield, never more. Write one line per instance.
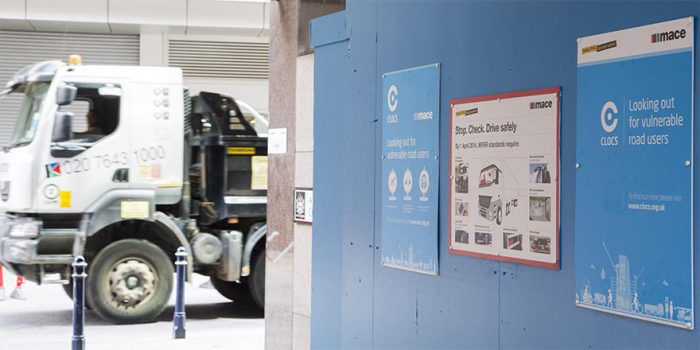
(29, 114)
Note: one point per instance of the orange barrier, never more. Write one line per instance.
(18, 293)
(2, 286)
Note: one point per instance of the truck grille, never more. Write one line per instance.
(484, 204)
(484, 201)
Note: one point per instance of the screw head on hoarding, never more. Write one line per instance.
(687, 163)
(578, 165)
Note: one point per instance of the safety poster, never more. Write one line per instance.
(634, 172)
(410, 177)
(504, 188)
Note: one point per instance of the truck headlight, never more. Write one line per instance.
(25, 229)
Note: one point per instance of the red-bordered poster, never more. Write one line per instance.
(504, 177)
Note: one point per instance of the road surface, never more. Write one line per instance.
(43, 321)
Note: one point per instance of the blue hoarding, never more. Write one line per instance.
(410, 172)
(634, 244)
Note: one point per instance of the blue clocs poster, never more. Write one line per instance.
(634, 172)
(410, 172)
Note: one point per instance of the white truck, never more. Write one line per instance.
(494, 197)
(151, 170)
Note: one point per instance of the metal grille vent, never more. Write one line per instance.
(187, 104)
(213, 59)
(19, 49)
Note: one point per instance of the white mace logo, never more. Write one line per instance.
(607, 119)
(392, 98)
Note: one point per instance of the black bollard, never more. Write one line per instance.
(79, 276)
(179, 318)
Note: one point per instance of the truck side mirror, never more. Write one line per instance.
(62, 127)
(65, 94)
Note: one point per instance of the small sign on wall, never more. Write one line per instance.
(303, 205)
(277, 141)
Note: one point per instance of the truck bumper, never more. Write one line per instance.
(487, 213)
(22, 255)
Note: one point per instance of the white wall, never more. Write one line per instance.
(238, 17)
(154, 52)
(156, 21)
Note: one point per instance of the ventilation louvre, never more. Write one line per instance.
(214, 59)
(19, 49)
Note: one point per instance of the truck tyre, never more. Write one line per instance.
(507, 208)
(256, 281)
(234, 291)
(68, 288)
(499, 216)
(130, 281)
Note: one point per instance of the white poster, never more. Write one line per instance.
(277, 141)
(504, 193)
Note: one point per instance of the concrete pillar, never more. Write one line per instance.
(280, 245)
(288, 278)
(153, 50)
(303, 178)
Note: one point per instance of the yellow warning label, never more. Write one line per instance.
(144, 171)
(258, 176)
(135, 210)
(64, 199)
(240, 151)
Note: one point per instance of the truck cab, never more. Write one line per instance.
(495, 198)
(121, 165)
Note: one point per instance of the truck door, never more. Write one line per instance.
(157, 140)
(78, 171)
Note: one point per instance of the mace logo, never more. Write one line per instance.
(392, 98)
(609, 121)
(666, 36)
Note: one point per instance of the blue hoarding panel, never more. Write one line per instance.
(411, 122)
(634, 250)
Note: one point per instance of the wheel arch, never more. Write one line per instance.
(161, 230)
(254, 243)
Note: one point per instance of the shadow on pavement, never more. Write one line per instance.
(214, 311)
(194, 312)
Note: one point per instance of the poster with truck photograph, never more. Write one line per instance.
(504, 163)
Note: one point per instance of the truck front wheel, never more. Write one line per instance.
(499, 216)
(130, 281)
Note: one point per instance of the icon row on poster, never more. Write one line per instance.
(407, 184)
(511, 241)
(540, 208)
(492, 174)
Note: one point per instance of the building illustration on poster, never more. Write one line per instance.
(504, 193)
(633, 241)
(410, 171)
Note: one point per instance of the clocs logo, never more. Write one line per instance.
(392, 98)
(609, 121)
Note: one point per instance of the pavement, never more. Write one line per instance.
(43, 321)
